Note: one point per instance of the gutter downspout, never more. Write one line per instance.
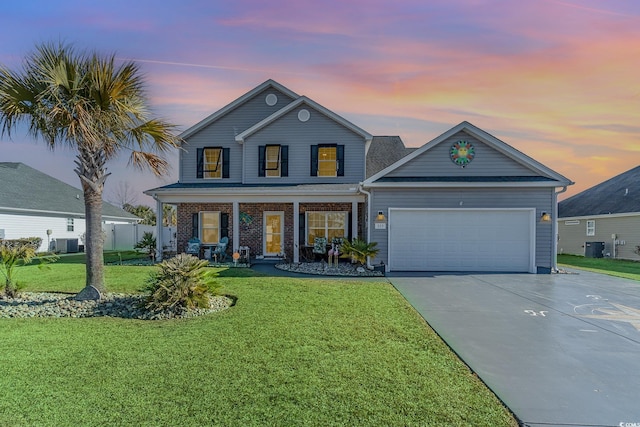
(555, 229)
(363, 191)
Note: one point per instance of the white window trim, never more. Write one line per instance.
(70, 225)
(335, 161)
(306, 224)
(205, 165)
(591, 227)
(201, 223)
(266, 160)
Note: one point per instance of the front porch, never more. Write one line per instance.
(271, 228)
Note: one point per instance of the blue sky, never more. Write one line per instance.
(557, 80)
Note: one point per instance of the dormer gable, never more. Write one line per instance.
(270, 99)
(304, 115)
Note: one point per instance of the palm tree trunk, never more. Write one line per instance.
(94, 239)
(91, 170)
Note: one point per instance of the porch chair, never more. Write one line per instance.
(320, 247)
(220, 252)
(193, 247)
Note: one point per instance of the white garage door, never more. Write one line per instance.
(461, 240)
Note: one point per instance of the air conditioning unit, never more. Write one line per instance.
(593, 249)
(67, 246)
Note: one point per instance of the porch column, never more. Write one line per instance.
(354, 220)
(236, 226)
(159, 236)
(296, 232)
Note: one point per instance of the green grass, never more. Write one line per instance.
(612, 267)
(290, 352)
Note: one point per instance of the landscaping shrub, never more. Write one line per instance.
(148, 244)
(183, 282)
(359, 250)
(12, 254)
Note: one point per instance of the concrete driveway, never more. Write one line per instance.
(558, 350)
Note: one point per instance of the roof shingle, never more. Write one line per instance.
(26, 188)
(620, 194)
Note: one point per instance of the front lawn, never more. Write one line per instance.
(291, 352)
(613, 267)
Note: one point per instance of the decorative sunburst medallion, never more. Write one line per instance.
(461, 153)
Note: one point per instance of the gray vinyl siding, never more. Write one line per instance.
(540, 199)
(572, 238)
(222, 133)
(300, 136)
(436, 162)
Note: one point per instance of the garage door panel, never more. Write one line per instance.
(460, 240)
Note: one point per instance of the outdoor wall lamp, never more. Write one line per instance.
(545, 217)
(380, 217)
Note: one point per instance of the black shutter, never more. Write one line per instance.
(200, 162)
(261, 159)
(302, 230)
(284, 160)
(340, 159)
(349, 226)
(224, 225)
(314, 160)
(195, 232)
(225, 162)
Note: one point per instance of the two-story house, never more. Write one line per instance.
(273, 170)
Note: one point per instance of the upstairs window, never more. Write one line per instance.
(273, 161)
(327, 160)
(591, 227)
(70, 225)
(213, 162)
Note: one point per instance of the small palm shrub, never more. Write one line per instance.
(359, 250)
(14, 253)
(147, 244)
(183, 282)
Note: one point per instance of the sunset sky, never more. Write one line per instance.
(558, 80)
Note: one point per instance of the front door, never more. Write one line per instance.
(273, 233)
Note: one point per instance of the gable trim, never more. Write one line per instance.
(295, 104)
(241, 100)
(485, 137)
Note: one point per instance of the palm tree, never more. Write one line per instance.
(98, 109)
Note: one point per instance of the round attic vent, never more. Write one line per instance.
(271, 99)
(303, 115)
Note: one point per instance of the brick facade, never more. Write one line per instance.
(184, 225)
(251, 221)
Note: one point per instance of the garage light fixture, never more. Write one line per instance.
(545, 217)
(380, 217)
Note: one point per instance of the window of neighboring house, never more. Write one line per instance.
(591, 227)
(209, 227)
(69, 224)
(212, 163)
(326, 224)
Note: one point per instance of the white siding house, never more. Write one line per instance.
(34, 204)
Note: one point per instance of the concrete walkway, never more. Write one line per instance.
(558, 350)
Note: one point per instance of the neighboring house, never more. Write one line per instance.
(603, 220)
(33, 204)
(273, 170)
